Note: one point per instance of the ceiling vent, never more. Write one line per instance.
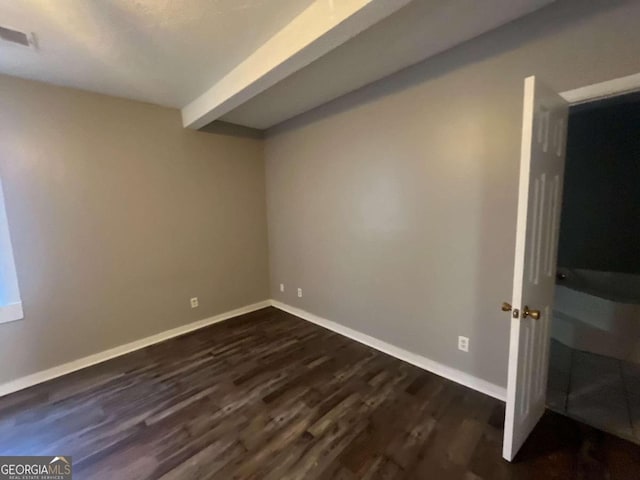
(15, 36)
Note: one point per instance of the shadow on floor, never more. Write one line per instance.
(586, 452)
(601, 391)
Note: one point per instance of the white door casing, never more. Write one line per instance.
(544, 129)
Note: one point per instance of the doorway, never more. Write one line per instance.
(594, 362)
(542, 168)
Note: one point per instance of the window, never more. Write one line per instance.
(10, 304)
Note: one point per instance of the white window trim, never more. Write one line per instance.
(11, 308)
(11, 312)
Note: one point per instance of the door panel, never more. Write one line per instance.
(544, 128)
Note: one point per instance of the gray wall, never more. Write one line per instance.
(394, 207)
(600, 227)
(118, 216)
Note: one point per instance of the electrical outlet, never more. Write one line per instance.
(282, 287)
(194, 302)
(463, 344)
(299, 293)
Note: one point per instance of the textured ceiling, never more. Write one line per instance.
(251, 62)
(165, 52)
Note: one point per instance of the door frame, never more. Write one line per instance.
(594, 92)
(598, 91)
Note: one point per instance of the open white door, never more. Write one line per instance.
(542, 159)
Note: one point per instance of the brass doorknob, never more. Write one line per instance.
(506, 307)
(535, 314)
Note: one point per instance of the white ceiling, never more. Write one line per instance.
(250, 62)
(321, 27)
(420, 30)
(165, 52)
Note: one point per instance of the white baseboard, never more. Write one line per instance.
(65, 368)
(453, 374)
(450, 373)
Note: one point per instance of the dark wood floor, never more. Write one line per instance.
(270, 396)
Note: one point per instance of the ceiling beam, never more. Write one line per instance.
(323, 26)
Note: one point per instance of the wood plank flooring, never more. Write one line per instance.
(270, 396)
